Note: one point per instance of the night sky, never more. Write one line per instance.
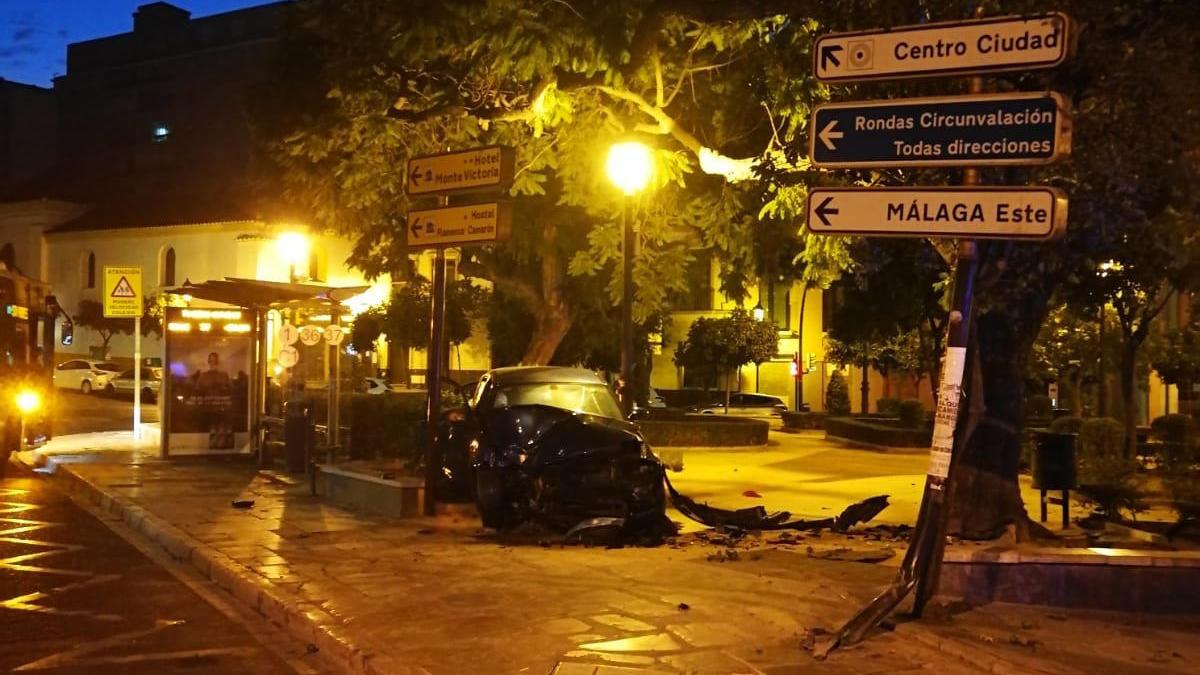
(34, 33)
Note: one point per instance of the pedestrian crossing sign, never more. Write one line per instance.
(122, 292)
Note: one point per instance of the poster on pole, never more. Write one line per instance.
(209, 363)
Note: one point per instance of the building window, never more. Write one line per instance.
(316, 265)
(168, 267)
(89, 271)
(697, 296)
(159, 132)
(778, 305)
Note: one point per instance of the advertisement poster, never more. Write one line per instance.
(209, 393)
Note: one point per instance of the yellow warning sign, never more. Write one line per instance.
(122, 292)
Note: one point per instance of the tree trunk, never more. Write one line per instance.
(1076, 379)
(551, 312)
(1128, 406)
(552, 326)
(986, 497)
(865, 388)
(397, 366)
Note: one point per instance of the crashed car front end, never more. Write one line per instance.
(561, 467)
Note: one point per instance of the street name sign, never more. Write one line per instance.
(122, 292)
(475, 223)
(982, 130)
(487, 168)
(945, 48)
(1030, 213)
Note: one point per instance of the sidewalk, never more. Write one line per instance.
(442, 596)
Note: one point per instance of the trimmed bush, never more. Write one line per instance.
(1037, 405)
(837, 395)
(1107, 477)
(1067, 425)
(703, 431)
(888, 407)
(871, 432)
(911, 414)
(803, 420)
(1179, 460)
(387, 426)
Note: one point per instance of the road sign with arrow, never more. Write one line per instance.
(1036, 213)
(947, 48)
(993, 129)
(476, 223)
(478, 169)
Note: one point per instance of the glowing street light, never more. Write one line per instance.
(758, 312)
(294, 248)
(630, 167)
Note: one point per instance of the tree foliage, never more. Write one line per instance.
(722, 345)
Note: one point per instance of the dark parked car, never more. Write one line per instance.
(549, 444)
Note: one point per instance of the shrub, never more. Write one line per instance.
(874, 432)
(1179, 461)
(1037, 406)
(888, 406)
(1067, 425)
(837, 395)
(387, 426)
(1107, 477)
(911, 414)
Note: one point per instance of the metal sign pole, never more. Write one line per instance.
(137, 378)
(433, 379)
(922, 562)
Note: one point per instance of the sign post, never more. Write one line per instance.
(970, 131)
(487, 169)
(122, 300)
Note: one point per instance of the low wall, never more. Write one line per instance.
(875, 433)
(703, 431)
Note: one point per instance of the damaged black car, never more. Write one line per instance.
(549, 445)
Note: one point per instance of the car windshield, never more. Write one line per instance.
(594, 399)
(110, 367)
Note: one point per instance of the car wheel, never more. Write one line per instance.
(110, 390)
(494, 508)
(707, 412)
(86, 387)
(147, 395)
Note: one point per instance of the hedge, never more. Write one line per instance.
(703, 431)
(803, 420)
(877, 433)
(386, 426)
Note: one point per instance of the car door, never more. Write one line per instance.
(69, 374)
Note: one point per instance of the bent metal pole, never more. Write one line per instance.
(922, 560)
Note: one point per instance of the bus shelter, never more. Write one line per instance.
(233, 352)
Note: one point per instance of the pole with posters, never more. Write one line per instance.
(123, 300)
(922, 562)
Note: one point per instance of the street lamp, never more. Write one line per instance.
(759, 314)
(28, 401)
(294, 249)
(630, 166)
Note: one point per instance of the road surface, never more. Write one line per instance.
(76, 413)
(77, 598)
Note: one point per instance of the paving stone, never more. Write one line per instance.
(659, 642)
(626, 659)
(621, 622)
(562, 626)
(707, 633)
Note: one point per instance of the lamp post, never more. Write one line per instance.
(629, 167)
(759, 314)
(294, 249)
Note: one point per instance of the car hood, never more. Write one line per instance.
(548, 435)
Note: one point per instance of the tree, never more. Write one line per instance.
(1067, 350)
(837, 395)
(726, 344)
(1176, 359)
(861, 353)
(91, 316)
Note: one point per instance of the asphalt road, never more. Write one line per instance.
(77, 598)
(76, 413)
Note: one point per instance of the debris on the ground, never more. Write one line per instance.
(758, 518)
(602, 531)
(683, 607)
(844, 554)
(243, 503)
(425, 530)
(727, 555)
(310, 648)
(752, 494)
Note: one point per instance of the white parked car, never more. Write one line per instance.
(84, 375)
(122, 385)
(374, 386)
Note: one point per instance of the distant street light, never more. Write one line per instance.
(294, 248)
(630, 167)
(758, 312)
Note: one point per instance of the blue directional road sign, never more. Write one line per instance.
(989, 129)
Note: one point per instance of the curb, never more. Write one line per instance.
(970, 654)
(304, 621)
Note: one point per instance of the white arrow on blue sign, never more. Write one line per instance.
(989, 129)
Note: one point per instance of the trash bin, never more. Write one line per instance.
(1054, 469)
(297, 435)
